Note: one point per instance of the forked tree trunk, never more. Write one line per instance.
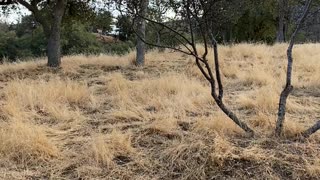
(141, 32)
(218, 97)
(288, 88)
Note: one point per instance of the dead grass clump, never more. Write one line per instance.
(134, 114)
(73, 63)
(267, 100)
(313, 169)
(185, 160)
(246, 102)
(158, 121)
(247, 52)
(223, 150)
(25, 144)
(172, 93)
(105, 149)
(101, 152)
(229, 71)
(193, 71)
(258, 155)
(263, 123)
(165, 126)
(217, 124)
(262, 100)
(117, 84)
(13, 67)
(313, 85)
(55, 97)
(292, 129)
(132, 58)
(255, 77)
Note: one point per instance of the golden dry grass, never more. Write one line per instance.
(100, 117)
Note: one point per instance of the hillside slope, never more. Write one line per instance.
(103, 118)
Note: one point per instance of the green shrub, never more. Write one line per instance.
(118, 48)
(77, 40)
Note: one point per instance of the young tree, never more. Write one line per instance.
(198, 20)
(289, 87)
(198, 17)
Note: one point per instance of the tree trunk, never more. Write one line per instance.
(307, 133)
(141, 31)
(159, 41)
(54, 45)
(288, 88)
(54, 49)
(281, 26)
(158, 38)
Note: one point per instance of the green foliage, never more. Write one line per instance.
(77, 40)
(102, 20)
(119, 48)
(13, 47)
(7, 45)
(162, 36)
(232, 21)
(79, 10)
(124, 23)
(259, 26)
(27, 25)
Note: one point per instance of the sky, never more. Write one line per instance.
(14, 17)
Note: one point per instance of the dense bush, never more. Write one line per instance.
(77, 40)
(8, 45)
(118, 48)
(19, 43)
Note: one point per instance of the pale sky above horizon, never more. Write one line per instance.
(14, 17)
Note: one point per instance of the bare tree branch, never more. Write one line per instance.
(307, 133)
(168, 27)
(217, 67)
(27, 5)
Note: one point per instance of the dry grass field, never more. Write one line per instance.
(103, 118)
